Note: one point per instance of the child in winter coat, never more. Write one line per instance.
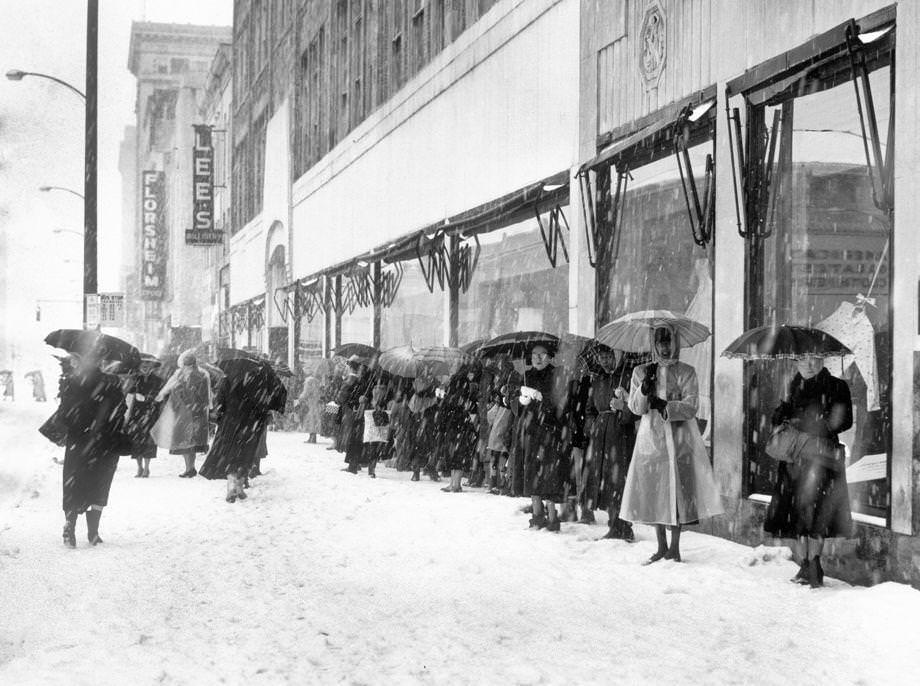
(376, 428)
(500, 421)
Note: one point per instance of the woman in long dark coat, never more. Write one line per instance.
(603, 436)
(92, 411)
(421, 428)
(456, 427)
(537, 447)
(242, 408)
(810, 501)
(352, 398)
(143, 411)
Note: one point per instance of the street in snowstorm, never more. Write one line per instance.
(323, 577)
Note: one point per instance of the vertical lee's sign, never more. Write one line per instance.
(153, 245)
(203, 231)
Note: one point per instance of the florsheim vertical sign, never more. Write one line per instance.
(203, 231)
(153, 236)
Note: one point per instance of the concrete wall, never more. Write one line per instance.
(495, 111)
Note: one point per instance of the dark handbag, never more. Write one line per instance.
(54, 430)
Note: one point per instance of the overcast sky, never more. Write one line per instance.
(41, 138)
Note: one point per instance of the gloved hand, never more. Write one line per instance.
(781, 413)
(657, 403)
(651, 376)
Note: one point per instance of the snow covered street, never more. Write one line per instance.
(323, 577)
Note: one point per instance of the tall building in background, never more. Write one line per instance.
(171, 63)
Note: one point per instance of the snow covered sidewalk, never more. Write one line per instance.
(322, 577)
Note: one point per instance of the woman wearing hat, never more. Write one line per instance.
(670, 481)
(537, 454)
(140, 396)
(183, 425)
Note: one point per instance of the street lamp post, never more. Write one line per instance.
(46, 189)
(90, 267)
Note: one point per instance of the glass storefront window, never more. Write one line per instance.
(827, 265)
(357, 325)
(514, 288)
(654, 263)
(416, 315)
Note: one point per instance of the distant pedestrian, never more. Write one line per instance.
(38, 385)
(92, 410)
(309, 406)
(183, 424)
(142, 413)
(8, 386)
(670, 481)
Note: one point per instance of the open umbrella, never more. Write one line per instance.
(784, 342)
(256, 380)
(631, 332)
(410, 362)
(473, 346)
(346, 350)
(89, 341)
(234, 353)
(517, 343)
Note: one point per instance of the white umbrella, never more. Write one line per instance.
(631, 332)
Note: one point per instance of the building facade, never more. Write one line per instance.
(171, 63)
(443, 171)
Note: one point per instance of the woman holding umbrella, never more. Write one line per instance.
(670, 481)
(92, 407)
(245, 397)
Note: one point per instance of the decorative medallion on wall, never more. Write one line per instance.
(653, 44)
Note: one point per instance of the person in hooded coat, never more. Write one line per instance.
(309, 405)
(537, 449)
(242, 408)
(92, 411)
(810, 501)
(183, 424)
(670, 481)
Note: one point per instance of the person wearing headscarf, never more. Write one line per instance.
(810, 502)
(670, 481)
(91, 411)
(140, 396)
(603, 436)
(309, 405)
(183, 424)
(537, 450)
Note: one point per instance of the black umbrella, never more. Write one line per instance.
(784, 342)
(346, 350)
(472, 348)
(256, 380)
(518, 343)
(234, 353)
(100, 345)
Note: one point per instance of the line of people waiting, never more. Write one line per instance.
(620, 436)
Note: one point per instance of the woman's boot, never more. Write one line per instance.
(92, 526)
(70, 526)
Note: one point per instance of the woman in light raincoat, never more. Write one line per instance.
(183, 424)
(670, 481)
